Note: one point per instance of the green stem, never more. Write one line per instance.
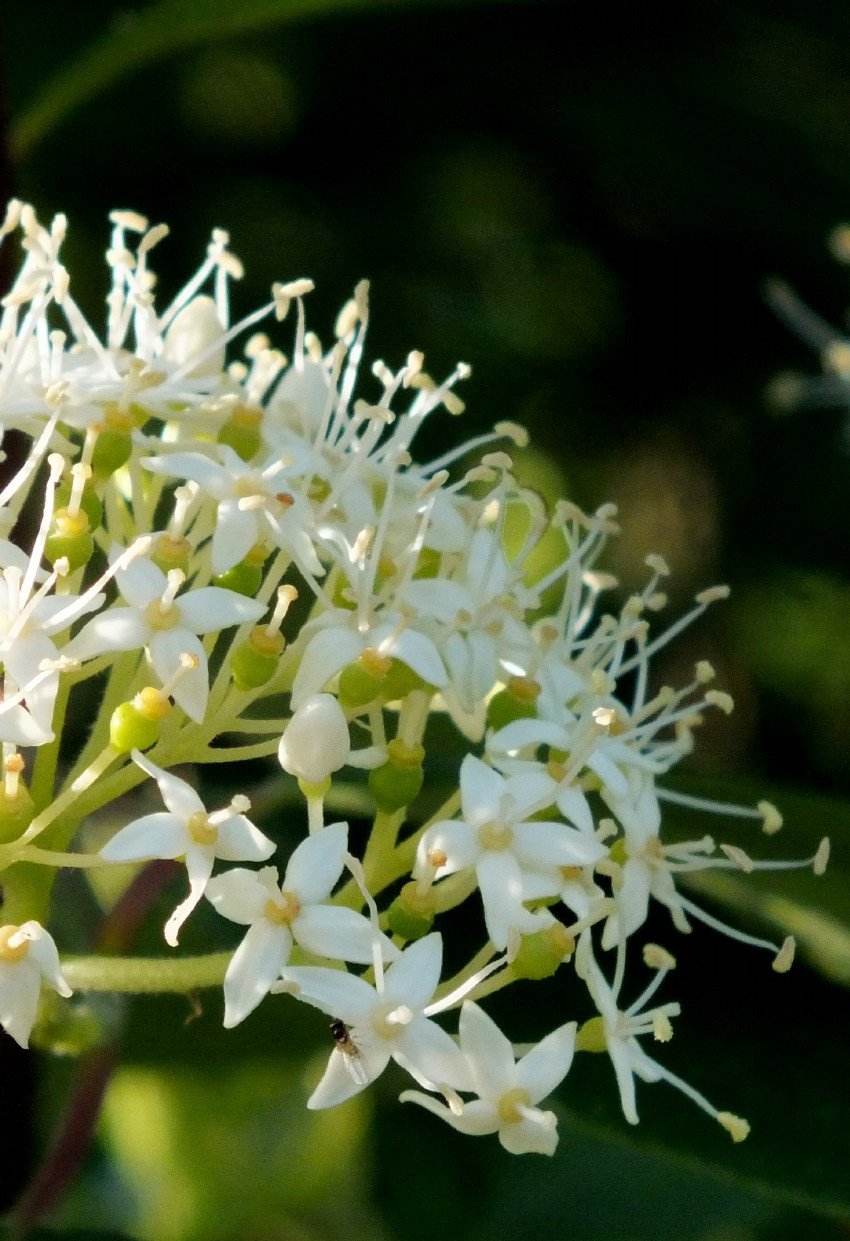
(146, 975)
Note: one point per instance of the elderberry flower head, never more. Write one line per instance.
(216, 560)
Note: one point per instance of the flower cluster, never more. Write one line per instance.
(248, 558)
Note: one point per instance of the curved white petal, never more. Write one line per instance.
(22, 659)
(339, 1084)
(199, 868)
(255, 965)
(535, 1134)
(481, 790)
(153, 835)
(209, 475)
(241, 895)
(180, 798)
(457, 840)
(543, 1068)
(417, 651)
(316, 864)
(212, 608)
(20, 985)
(335, 992)
(192, 691)
(326, 654)
(432, 1056)
(477, 1118)
(117, 629)
(500, 884)
(239, 840)
(488, 1051)
(42, 952)
(539, 845)
(413, 978)
(236, 532)
(341, 934)
(141, 582)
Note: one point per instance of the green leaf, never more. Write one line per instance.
(161, 30)
(814, 909)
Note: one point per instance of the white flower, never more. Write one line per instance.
(507, 1091)
(498, 837)
(253, 503)
(168, 625)
(388, 1022)
(315, 742)
(278, 914)
(27, 956)
(619, 1031)
(187, 832)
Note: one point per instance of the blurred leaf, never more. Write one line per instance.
(204, 1157)
(814, 909)
(162, 29)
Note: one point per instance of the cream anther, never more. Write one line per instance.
(784, 958)
(735, 1126)
(821, 857)
(771, 818)
(658, 958)
(712, 595)
(723, 701)
(741, 859)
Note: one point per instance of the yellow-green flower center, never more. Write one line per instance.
(12, 953)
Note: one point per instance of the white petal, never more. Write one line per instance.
(241, 895)
(18, 726)
(141, 582)
(621, 1060)
(192, 691)
(118, 629)
(539, 845)
(458, 841)
(633, 896)
(255, 965)
(20, 986)
(536, 1134)
(437, 598)
(418, 652)
(239, 840)
(316, 864)
(209, 475)
(339, 1084)
(335, 992)
(481, 791)
(477, 1118)
(572, 803)
(521, 733)
(153, 835)
(339, 933)
(490, 1054)
(211, 608)
(42, 951)
(413, 978)
(180, 798)
(22, 659)
(236, 532)
(432, 1056)
(543, 1068)
(327, 653)
(500, 884)
(199, 868)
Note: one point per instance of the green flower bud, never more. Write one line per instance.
(244, 578)
(112, 449)
(70, 536)
(591, 1036)
(171, 552)
(517, 701)
(255, 662)
(241, 432)
(135, 725)
(411, 914)
(541, 953)
(393, 787)
(401, 681)
(16, 812)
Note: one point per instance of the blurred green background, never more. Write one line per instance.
(584, 201)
